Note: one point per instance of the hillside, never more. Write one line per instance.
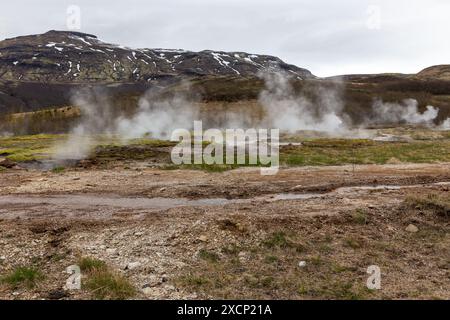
(67, 57)
(440, 72)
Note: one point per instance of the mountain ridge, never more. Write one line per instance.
(72, 57)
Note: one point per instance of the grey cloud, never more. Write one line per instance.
(328, 37)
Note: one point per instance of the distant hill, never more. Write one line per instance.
(440, 72)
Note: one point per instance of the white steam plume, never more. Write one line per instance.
(289, 111)
(405, 112)
(158, 117)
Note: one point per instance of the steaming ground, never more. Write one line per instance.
(159, 114)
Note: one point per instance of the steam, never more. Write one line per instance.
(405, 112)
(157, 116)
(323, 111)
(317, 107)
(445, 125)
(289, 111)
(96, 118)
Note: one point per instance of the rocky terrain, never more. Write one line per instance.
(152, 240)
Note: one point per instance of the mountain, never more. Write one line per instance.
(440, 72)
(74, 57)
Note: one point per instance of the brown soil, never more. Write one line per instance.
(235, 234)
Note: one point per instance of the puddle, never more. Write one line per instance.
(69, 204)
(80, 201)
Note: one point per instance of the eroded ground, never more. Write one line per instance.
(234, 234)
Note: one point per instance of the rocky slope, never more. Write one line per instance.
(440, 72)
(67, 57)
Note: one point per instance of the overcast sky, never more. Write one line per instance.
(328, 37)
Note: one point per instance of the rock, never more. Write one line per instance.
(169, 287)
(302, 264)
(153, 281)
(133, 265)
(138, 234)
(202, 238)
(147, 291)
(242, 256)
(6, 163)
(412, 228)
(57, 294)
(162, 189)
(111, 251)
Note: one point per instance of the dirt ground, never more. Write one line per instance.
(305, 233)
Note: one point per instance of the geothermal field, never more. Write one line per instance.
(357, 206)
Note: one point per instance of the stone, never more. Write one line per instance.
(111, 251)
(147, 291)
(412, 228)
(302, 264)
(202, 238)
(133, 265)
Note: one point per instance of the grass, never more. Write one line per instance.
(58, 169)
(273, 271)
(26, 276)
(359, 216)
(277, 239)
(352, 243)
(339, 290)
(208, 256)
(312, 152)
(440, 205)
(88, 264)
(322, 152)
(104, 283)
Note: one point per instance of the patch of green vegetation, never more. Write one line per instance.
(271, 259)
(352, 243)
(359, 216)
(316, 261)
(193, 280)
(232, 250)
(27, 276)
(440, 205)
(281, 240)
(333, 289)
(261, 281)
(28, 148)
(277, 239)
(324, 152)
(104, 283)
(208, 256)
(58, 169)
(88, 264)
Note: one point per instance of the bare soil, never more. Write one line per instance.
(237, 234)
